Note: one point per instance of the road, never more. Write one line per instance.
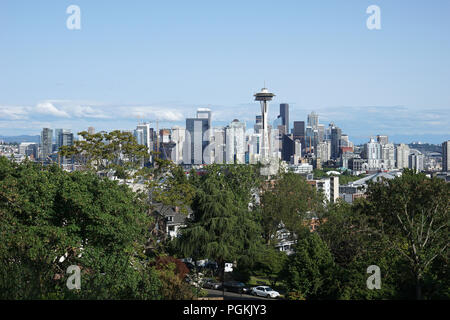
(232, 295)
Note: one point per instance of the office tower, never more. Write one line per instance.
(345, 141)
(324, 150)
(321, 132)
(372, 150)
(336, 134)
(91, 130)
(402, 154)
(288, 149)
(144, 135)
(445, 156)
(299, 132)
(416, 160)
(46, 143)
(63, 137)
(178, 136)
(264, 97)
(235, 145)
(254, 150)
(219, 144)
(382, 139)
(58, 133)
(66, 138)
(388, 154)
(284, 113)
(313, 120)
(198, 136)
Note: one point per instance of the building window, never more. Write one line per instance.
(170, 218)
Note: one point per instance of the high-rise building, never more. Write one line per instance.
(299, 132)
(445, 156)
(58, 134)
(178, 136)
(372, 150)
(388, 154)
(416, 160)
(198, 137)
(144, 135)
(334, 189)
(284, 113)
(235, 145)
(288, 149)
(313, 120)
(324, 150)
(46, 143)
(336, 134)
(402, 154)
(91, 130)
(382, 139)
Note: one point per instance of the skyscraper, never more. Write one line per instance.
(235, 142)
(46, 143)
(402, 154)
(313, 120)
(445, 156)
(284, 113)
(299, 132)
(178, 136)
(198, 136)
(336, 134)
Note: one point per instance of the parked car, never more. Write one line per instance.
(235, 286)
(195, 281)
(265, 291)
(212, 284)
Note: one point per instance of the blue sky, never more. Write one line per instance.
(163, 59)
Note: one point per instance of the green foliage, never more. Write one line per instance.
(223, 228)
(115, 151)
(310, 270)
(270, 263)
(412, 212)
(289, 200)
(46, 213)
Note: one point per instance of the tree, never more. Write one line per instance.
(222, 227)
(413, 212)
(309, 271)
(345, 230)
(270, 264)
(169, 188)
(115, 151)
(288, 200)
(51, 219)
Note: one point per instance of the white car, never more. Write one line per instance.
(265, 291)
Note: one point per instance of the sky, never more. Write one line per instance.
(161, 60)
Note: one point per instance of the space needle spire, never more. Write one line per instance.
(264, 96)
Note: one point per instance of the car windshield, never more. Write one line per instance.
(269, 289)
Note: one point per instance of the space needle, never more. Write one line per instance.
(264, 97)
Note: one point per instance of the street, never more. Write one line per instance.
(232, 295)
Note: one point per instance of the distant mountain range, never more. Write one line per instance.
(20, 139)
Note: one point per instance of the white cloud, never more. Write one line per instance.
(13, 113)
(47, 108)
(157, 113)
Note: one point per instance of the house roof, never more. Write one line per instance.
(373, 177)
